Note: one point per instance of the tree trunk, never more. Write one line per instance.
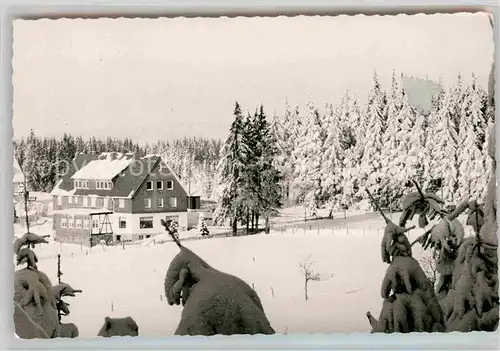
(257, 222)
(268, 229)
(253, 219)
(305, 289)
(235, 226)
(248, 221)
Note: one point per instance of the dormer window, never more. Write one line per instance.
(149, 185)
(81, 184)
(104, 184)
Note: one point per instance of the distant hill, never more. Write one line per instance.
(420, 92)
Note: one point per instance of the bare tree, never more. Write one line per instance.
(310, 274)
(428, 263)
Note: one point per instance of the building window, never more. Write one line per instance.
(159, 185)
(98, 185)
(170, 184)
(79, 223)
(106, 202)
(141, 237)
(75, 200)
(94, 201)
(149, 185)
(95, 224)
(86, 224)
(70, 199)
(110, 185)
(160, 202)
(146, 222)
(71, 222)
(86, 201)
(172, 202)
(121, 203)
(80, 199)
(122, 224)
(147, 203)
(64, 223)
(59, 200)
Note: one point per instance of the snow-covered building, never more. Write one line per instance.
(116, 197)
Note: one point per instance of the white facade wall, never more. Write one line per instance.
(133, 229)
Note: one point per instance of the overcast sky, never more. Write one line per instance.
(168, 78)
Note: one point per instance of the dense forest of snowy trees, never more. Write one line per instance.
(320, 156)
(329, 156)
(192, 159)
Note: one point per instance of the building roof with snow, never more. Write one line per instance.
(17, 173)
(192, 190)
(105, 169)
(126, 171)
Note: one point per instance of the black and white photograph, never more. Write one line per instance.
(254, 175)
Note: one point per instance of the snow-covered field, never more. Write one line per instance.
(119, 281)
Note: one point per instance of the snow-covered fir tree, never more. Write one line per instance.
(371, 170)
(229, 174)
(443, 148)
(202, 226)
(286, 130)
(471, 159)
(308, 157)
(390, 187)
(409, 142)
(332, 157)
(355, 123)
(271, 196)
(250, 185)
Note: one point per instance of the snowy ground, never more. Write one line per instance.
(120, 281)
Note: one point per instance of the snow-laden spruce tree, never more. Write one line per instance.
(371, 171)
(471, 158)
(332, 158)
(355, 126)
(392, 110)
(229, 174)
(286, 130)
(443, 145)
(471, 169)
(487, 165)
(250, 183)
(31, 161)
(271, 197)
(404, 164)
(456, 98)
(308, 156)
(202, 226)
